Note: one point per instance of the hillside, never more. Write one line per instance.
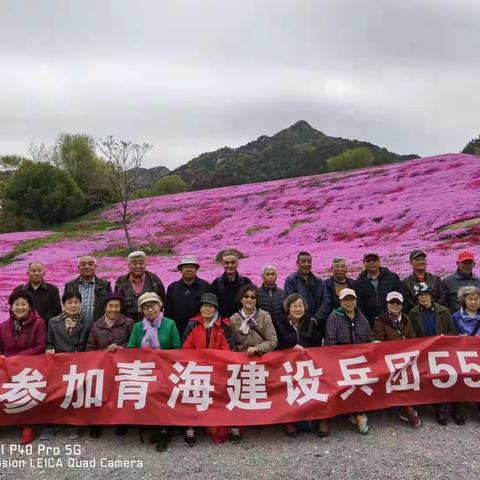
(293, 152)
(429, 203)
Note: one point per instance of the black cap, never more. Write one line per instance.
(416, 253)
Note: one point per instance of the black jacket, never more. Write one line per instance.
(271, 300)
(433, 281)
(183, 301)
(102, 288)
(130, 305)
(46, 300)
(308, 335)
(373, 303)
(226, 292)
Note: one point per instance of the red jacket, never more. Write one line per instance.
(31, 339)
(195, 334)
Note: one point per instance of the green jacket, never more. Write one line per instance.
(167, 335)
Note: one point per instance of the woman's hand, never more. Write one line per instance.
(252, 351)
(299, 347)
(50, 351)
(113, 347)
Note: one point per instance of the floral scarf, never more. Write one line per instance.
(249, 322)
(150, 339)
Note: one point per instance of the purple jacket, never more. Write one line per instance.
(31, 339)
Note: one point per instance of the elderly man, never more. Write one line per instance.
(45, 296)
(338, 281)
(226, 286)
(92, 288)
(373, 285)
(270, 297)
(418, 261)
(138, 281)
(463, 277)
(183, 296)
(312, 289)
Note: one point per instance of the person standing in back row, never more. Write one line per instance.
(312, 289)
(184, 295)
(226, 286)
(418, 261)
(92, 288)
(138, 281)
(270, 297)
(44, 296)
(463, 277)
(373, 285)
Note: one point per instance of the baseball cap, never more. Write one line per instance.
(465, 255)
(347, 292)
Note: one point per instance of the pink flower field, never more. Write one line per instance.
(429, 203)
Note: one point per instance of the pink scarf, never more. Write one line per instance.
(150, 339)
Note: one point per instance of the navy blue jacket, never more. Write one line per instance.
(315, 293)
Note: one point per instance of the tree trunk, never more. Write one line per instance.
(125, 229)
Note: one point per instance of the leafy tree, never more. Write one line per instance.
(76, 153)
(352, 158)
(169, 184)
(43, 192)
(473, 147)
(123, 159)
(10, 163)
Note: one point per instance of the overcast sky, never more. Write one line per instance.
(193, 76)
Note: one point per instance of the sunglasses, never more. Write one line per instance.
(253, 297)
(395, 302)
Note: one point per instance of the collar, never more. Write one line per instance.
(225, 277)
(83, 282)
(29, 286)
(194, 281)
(139, 281)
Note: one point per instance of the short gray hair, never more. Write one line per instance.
(86, 256)
(465, 291)
(136, 253)
(268, 267)
(338, 260)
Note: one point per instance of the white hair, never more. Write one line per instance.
(136, 253)
(268, 267)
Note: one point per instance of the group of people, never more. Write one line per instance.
(231, 313)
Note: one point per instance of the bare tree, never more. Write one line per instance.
(43, 153)
(123, 161)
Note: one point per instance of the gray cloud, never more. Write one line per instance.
(191, 76)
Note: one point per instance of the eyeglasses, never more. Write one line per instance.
(253, 297)
(150, 306)
(395, 302)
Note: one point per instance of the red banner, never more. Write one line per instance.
(214, 388)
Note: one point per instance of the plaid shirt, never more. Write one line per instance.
(341, 330)
(87, 291)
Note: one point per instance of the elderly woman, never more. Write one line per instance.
(207, 330)
(253, 332)
(393, 324)
(67, 333)
(347, 325)
(110, 332)
(430, 319)
(155, 332)
(23, 333)
(300, 331)
(467, 319)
